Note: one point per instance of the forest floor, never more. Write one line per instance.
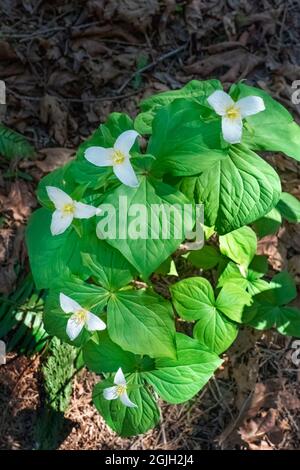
(66, 66)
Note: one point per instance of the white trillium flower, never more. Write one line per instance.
(118, 157)
(80, 318)
(119, 390)
(233, 113)
(66, 210)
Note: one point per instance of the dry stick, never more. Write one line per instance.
(73, 100)
(150, 66)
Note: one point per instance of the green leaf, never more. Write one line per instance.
(60, 178)
(232, 301)
(178, 380)
(269, 224)
(237, 190)
(289, 207)
(269, 308)
(102, 355)
(239, 245)
(90, 297)
(258, 267)
(283, 289)
(215, 331)
(196, 90)
(206, 258)
(288, 322)
(142, 323)
(273, 129)
(194, 299)
(182, 142)
(123, 420)
(51, 256)
(106, 264)
(247, 279)
(145, 251)
(13, 144)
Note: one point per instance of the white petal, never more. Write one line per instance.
(99, 156)
(58, 197)
(232, 130)
(125, 173)
(60, 222)
(74, 328)
(67, 304)
(251, 105)
(94, 323)
(119, 377)
(125, 141)
(110, 393)
(220, 101)
(84, 211)
(126, 401)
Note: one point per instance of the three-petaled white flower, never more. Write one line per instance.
(119, 390)
(118, 157)
(233, 113)
(66, 210)
(80, 318)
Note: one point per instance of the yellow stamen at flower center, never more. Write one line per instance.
(118, 157)
(80, 316)
(68, 209)
(121, 389)
(233, 112)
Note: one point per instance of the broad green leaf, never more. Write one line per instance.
(123, 420)
(258, 267)
(90, 297)
(269, 308)
(195, 90)
(142, 323)
(232, 301)
(194, 299)
(51, 256)
(60, 178)
(206, 258)
(137, 237)
(247, 279)
(178, 380)
(289, 321)
(239, 245)
(215, 331)
(237, 190)
(272, 129)
(106, 264)
(101, 354)
(289, 207)
(269, 224)
(283, 289)
(182, 142)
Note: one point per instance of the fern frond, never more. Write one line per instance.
(13, 144)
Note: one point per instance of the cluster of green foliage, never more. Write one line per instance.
(58, 369)
(13, 144)
(21, 319)
(192, 163)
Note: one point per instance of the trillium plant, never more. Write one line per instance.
(99, 262)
